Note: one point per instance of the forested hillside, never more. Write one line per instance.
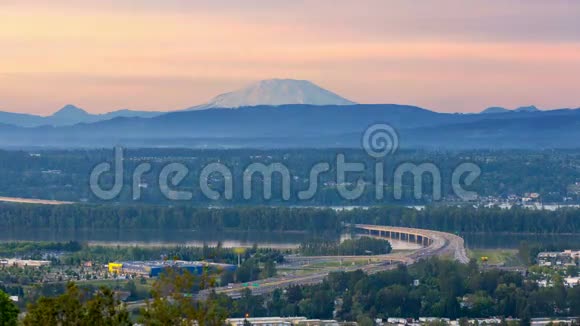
(451, 219)
(64, 174)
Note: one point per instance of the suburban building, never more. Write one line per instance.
(23, 262)
(558, 259)
(154, 268)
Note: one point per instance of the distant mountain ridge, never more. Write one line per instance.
(270, 92)
(311, 126)
(282, 113)
(67, 116)
(498, 109)
(494, 110)
(273, 92)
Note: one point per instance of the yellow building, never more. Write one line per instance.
(115, 268)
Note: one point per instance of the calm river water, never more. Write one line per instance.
(246, 239)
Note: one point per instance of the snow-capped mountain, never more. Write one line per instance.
(276, 92)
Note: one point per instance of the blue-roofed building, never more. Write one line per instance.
(154, 268)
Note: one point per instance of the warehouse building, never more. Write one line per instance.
(154, 268)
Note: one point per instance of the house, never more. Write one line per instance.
(572, 281)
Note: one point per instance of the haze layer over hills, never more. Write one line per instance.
(292, 113)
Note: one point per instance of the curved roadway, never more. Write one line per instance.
(440, 244)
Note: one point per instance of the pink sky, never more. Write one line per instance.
(451, 56)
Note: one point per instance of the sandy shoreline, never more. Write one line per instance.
(33, 201)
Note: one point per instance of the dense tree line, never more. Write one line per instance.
(64, 174)
(106, 254)
(469, 219)
(76, 307)
(31, 249)
(431, 288)
(434, 287)
(163, 217)
(355, 247)
(75, 253)
(126, 217)
(172, 303)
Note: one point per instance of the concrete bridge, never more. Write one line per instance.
(418, 236)
(433, 242)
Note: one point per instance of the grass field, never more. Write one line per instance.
(507, 257)
(320, 266)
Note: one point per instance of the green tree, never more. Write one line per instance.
(572, 271)
(250, 305)
(173, 302)
(249, 271)
(276, 305)
(103, 310)
(132, 288)
(8, 310)
(365, 320)
(73, 308)
(269, 269)
(574, 300)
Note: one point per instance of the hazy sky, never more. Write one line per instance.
(463, 56)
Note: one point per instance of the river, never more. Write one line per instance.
(279, 240)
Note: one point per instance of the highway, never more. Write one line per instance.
(443, 243)
(440, 244)
(435, 243)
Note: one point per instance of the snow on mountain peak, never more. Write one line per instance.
(276, 92)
